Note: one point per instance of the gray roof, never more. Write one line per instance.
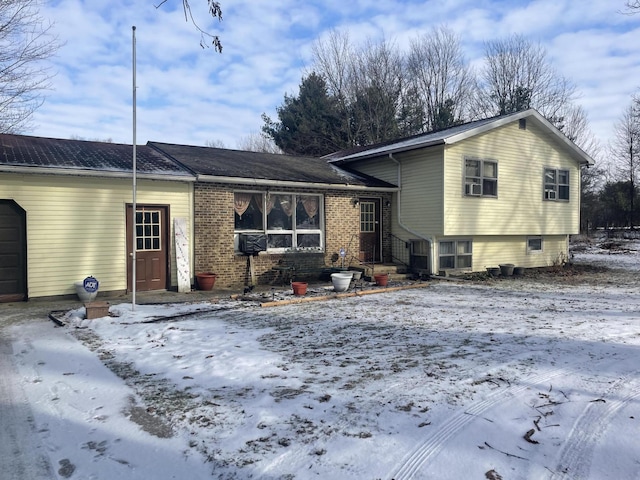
(222, 164)
(79, 156)
(455, 134)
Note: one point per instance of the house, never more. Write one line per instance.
(66, 214)
(489, 192)
(257, 214)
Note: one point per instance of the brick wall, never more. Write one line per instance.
(214, 235)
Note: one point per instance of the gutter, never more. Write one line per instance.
(429, 238)
(92, 173)
(288, 183)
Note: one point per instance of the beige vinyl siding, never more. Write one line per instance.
(491, 251)
(422, 191)
(77, 227)
(519, 208)
(380, 168)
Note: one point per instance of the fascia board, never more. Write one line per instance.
(285, 183)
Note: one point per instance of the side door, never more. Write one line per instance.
(13, 252)
(370, 230)
(152, 240)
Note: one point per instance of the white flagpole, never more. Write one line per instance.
(133, 214)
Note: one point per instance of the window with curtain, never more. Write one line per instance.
(248, 211)
(290, 220)
(455, 254)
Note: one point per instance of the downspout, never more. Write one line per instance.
(429, 238)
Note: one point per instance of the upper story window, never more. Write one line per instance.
(556, 184)
(481, 178)
(290, 220)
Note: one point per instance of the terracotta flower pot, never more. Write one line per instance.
(381, 279)
(299, 288)
(206, 281)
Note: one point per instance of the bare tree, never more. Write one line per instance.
(366, 82)
(215, 10)
(26, 42)
(333, 60)
(256, 142)
(441, 77)
(633, 6)
(625, 151)
(377, 77)
(518, 75)
(215, 143)
(575, 126)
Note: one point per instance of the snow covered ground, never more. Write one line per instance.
(525, 378)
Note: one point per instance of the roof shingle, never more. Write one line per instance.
(26, 151)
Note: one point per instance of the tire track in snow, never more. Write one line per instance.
(412, 462)
(576, 454)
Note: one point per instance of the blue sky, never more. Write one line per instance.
(189, 95)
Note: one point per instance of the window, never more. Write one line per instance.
(148, 230)
(455, 254)
(419, 254)
(481, 178)
(534, 244)
(556, 184)
(290, 221)
(367, 217)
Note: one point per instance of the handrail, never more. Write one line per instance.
(400, 252)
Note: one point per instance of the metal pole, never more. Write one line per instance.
(133, 210)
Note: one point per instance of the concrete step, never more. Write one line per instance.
(396, 272)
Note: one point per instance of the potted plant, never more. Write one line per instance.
(299, 288)
(506, 269)
(493, 271)
(357, 274)
(381, 279)
(341, 281)
(206, 280)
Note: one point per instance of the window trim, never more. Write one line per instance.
(535, 251)
(468, 187)
(294, 232)
(456, 255)
(553, 194)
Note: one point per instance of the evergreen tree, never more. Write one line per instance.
(309, 124)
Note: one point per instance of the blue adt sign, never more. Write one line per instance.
(90, 284)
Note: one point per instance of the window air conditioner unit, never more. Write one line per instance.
(252, 243)
(473, 189)
(550, 194)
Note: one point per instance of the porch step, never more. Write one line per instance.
(396, 272)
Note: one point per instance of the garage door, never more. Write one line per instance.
(13, 252)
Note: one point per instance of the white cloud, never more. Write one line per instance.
(190, 95)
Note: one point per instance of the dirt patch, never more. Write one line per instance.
(149, 423)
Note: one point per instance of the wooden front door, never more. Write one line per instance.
(370, 230)
(152, 240)
(13, 252)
